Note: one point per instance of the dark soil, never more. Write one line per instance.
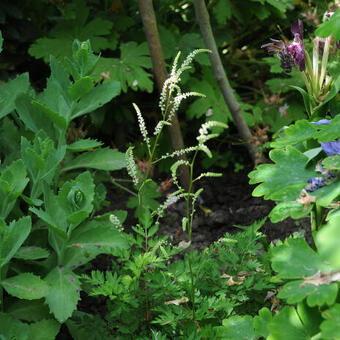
(225, 202)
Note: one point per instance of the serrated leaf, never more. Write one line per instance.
(287, 325)
(295, 259)
(14, 236)
(9, 92)
(330, 328)
(84, 145)
(43, 330)
(103, 159)
(33, 119)
(130, 69)
(11, 328)
(96, 98)
(64, 292)
(31, 253)
(284, 180)
(237, 328)
(297, 291)
(296, 133)
(13, 181)
(81, 87)
(26, 286)
(53, 116)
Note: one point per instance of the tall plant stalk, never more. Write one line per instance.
(159, 69)
(203, 20)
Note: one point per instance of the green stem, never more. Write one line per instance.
(190, 220)
(114, 182)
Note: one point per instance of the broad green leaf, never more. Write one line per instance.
(26, 286)
(237, 328)
(91, 239)
(64, 292)
(53, 116)
(327, 242)
(31, 253)
(327, 194)
(291, 209)
(34, 120)
(43, 330)
(80, 87)
(131, 69)
(11, 328)
(330, 328)
(300, 131)
(310, 317)
(329, 132)
(76, 198)
(287, 325)
(13, 181)
(60, 78)
(284, 180)
(9, 92)
(10, 136)
(330, 27)
(97, 234)
(296, 291)
(84, 145)
(332, 162)
(14, 236)
(305, 96)
(96, 98)
(102, 159)
(261, 322)
(56, 224)
(223, 11)
(28, 310)
(295, 259)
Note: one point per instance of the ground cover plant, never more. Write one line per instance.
(55, 219)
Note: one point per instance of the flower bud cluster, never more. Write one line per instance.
(131, 165)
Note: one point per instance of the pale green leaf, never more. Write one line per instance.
(330, 328)
(14, 236)
(84, 145)
(64, 292)
(237, 328)
(28, 310)
(9, 92)
(102, 159)
(26, 286)
(31, 253)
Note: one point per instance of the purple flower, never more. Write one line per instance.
(291, 53)
(331, 148)
(296, 48)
